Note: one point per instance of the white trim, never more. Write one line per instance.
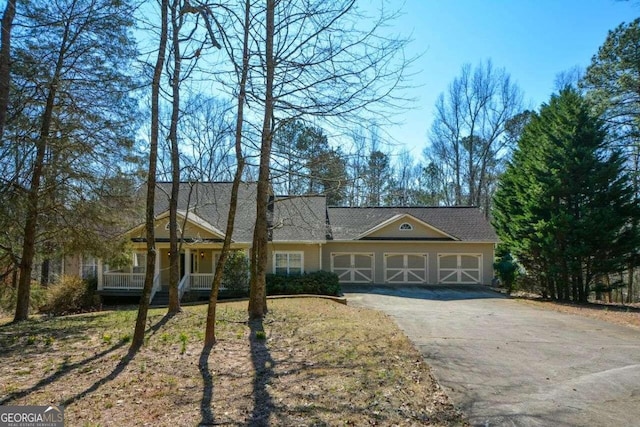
(408, 227)
(353, 273)
(425, 241)
(398, 217)
(297, 242)
(288, 253)
(459, 275)
(191, 217)
(406, 274)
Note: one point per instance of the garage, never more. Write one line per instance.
(459, 268)
(405, 268)
(353, 267)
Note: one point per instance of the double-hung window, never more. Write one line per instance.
(288, 263)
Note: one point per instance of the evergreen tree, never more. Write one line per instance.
(564, 205)
(72, 121)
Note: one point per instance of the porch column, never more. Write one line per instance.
(157, 267)
(99, 274)
(187, 261)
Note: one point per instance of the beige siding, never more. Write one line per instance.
(419, 230)
(72, 265)
(191, 230)
(431, 249)
(311, 254)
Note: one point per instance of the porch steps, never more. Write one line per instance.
(161, 298)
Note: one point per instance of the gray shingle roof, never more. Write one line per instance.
(299, 218)
(464, 223)
(210, 201)
(304, 218)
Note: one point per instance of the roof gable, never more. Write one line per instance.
(190, 225)
(415, 228)
(465, 224)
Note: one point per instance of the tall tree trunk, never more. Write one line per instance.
(210, 332)
(174, 259)
(141, 319)
(33, 197)
(257, 293)
(5, 61)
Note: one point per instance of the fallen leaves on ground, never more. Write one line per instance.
(318, 363)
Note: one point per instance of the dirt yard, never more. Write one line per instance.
(316, 363)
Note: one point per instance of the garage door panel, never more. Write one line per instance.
(416, 261)
(395, 261)
(460, 268)
(353, 267)
(342, 261)
(468, 261)
(448, 261)
(405, 268)
(472, 276)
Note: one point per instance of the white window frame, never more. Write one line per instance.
(85, 266)
(195, 261)
(405, 226)
(166, 227)
(288, 254)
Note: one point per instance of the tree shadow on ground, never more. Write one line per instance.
(426, 292)
(263, 367)
(66, 369)
(207, 390)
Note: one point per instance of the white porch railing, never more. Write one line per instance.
(156, 286)
(200, 281)
(123, 281)
(183, 286)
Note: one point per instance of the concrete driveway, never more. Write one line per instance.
(505, 363)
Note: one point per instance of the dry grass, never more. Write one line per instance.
(620, 315)
(319, 363)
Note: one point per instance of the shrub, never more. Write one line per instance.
(70, 295)
(317, 283)
(236, 271)
(8, 295)
(507, 269)
(235, 279)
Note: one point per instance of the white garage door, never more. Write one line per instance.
(405, 268)
(459, 268)
(353, 267)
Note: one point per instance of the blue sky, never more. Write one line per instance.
(533, 40)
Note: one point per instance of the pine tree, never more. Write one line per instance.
(564, 205)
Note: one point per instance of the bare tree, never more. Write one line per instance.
(258, 286)
(143, 308)
(208, 131)
(176, 23)
(467, 136)
(312, 59)
(243, 70)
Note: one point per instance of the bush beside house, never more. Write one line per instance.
(316, 283)
(70, 295)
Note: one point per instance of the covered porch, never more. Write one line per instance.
(196, 269)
